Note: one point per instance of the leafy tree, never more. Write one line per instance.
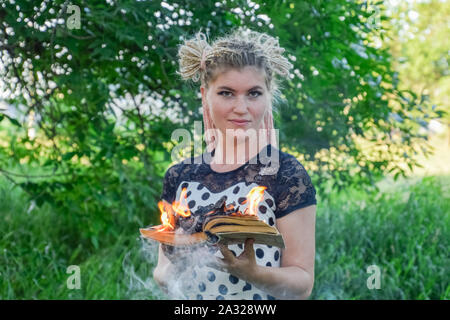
(345, 110)
(105, 97)
(418, 43)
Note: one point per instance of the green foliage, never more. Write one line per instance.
(403, 230)
(102, 144)
(38, 244)
(345, 91)
(418, 40)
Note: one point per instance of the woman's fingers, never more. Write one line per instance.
(228, 262)
(227, 254)
(248, 247)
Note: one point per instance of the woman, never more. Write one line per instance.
(238, 86)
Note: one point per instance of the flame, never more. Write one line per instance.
(254, 197)
(167, 217)
(170, 212)
(180, 207)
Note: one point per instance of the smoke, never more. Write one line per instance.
(180, 275)
(139, 264)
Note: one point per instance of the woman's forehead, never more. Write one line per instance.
(244, 78)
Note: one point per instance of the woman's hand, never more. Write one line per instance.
(244, 266)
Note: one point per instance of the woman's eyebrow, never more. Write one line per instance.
(230, 89)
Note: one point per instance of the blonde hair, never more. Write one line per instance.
(240, 48)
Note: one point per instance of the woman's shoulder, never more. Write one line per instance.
(292, 169)
(178, 168)
(285, 162)
(293, 188)
(288, 161)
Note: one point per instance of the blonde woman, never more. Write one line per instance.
(238, 76)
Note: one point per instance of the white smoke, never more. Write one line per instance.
(179, 276)
(140, 279)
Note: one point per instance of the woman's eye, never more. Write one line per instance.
(258, 93)
(226, 93)
(253, 94)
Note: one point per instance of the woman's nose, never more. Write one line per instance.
(241, 105)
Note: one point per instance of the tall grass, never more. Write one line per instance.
(404, 230)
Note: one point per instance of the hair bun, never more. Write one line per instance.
(237, 48)
(190, 54)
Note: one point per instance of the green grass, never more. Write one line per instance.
(36, 248)
(404, 230)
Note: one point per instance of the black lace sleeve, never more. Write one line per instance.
(170, 183)
(294, 189)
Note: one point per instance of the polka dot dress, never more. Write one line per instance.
(289, 188)
(209, 283)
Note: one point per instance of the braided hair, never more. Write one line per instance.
(200, 61)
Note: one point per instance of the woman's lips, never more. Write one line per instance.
(240, 123)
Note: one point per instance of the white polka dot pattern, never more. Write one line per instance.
(209, 283)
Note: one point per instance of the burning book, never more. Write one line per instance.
(213, 224)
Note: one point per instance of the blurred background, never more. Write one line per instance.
(89, 99)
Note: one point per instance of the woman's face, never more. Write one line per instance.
(238, 99)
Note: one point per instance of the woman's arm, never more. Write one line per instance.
(163, 270)
(295, 277)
